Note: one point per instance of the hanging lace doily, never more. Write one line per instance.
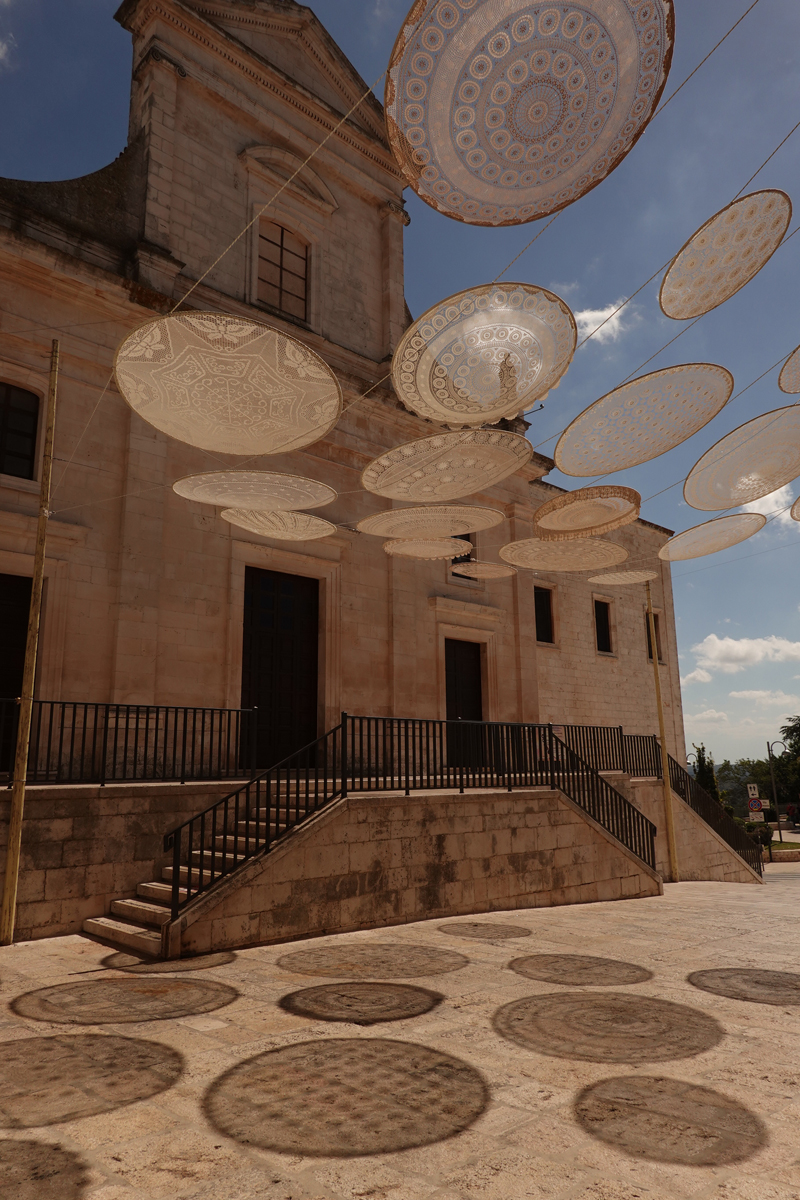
(227, 384)
(447, 466)
(623, 578)
(437, 521)
(589, 512)
(750, 462)
(789, 378)
(794, 512)
(588, 554)
(285, 526)
(712, 536)
(483, 570)
(484, 354)
(502, 112)
(265, 490)
(643, 418)
(725, 254)
(428, 548)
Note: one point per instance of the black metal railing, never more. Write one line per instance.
(247, 822)
(712, 812)
(607, 748)
(368, 754)
(81, 742)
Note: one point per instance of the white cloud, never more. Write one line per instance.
(776, 504)
(696, 676)
(709, 717)
(7, 44)
(589, 319)
(768, 699)
(730, 655)
(565, 289)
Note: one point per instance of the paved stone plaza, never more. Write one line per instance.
(557, 1053)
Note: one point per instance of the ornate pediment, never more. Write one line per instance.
(276, 167)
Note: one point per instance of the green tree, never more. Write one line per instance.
(790, 732)
(704, 771)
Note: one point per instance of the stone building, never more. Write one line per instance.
(151, 599)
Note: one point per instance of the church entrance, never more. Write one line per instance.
(462, 662)
(15, 602)
(279, 660)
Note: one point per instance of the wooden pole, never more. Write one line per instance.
(671, 848)
(11, 881)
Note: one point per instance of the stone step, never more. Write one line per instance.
(213, 859)
(160, 892)
(235, 845)
(124, 933)
(142, 911)
(166, 875)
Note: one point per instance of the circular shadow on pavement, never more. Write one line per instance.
(579, 969)
(346, 1097)
(484, 930)
(121, 1001)
(156, 966)
(379, 960)
(361, 1003)
(41, 1171)
(742, 983)
(607, 1027)
(45, 1080)
(670, 1121)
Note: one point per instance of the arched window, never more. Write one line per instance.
(19, 422)
(282, 270)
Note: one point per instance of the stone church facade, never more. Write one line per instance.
(151, 599)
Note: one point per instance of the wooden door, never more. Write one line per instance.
(15, 602)
(279, 660)
(465, 747)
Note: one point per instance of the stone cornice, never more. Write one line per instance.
(213, 38)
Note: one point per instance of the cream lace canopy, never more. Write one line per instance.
(794, 512)
(267, 490)
(285, 526)
(483, 570)
(588, 554)
(643, 418)
(589, 511)
(712, 536)
(428, 548)
(447, 466)
(484, 354)
(725, 254)
(623, 578)
(437, 521)
(789, 378)
(757, 458)
(501, 111)
(227, 384)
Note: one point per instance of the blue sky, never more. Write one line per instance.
(64, 83)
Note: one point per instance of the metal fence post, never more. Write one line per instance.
(344, 754)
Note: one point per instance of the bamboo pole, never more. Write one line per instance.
(671, 847)
(11, 881)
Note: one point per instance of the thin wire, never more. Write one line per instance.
(661, 108)
(685, 329)
(766, 160)
(524, 248)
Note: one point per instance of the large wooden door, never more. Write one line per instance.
(279, 660)
(15, 602)
(465, 746)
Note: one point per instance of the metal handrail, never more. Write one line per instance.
(712, 812)
(389, 754)
(87, 742)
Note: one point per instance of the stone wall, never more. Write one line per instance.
(701, 853)
(84, 846)
(375, 860)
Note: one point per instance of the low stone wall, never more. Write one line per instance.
(84, 846)
(373, 860)
(781, 855)
(702, 853)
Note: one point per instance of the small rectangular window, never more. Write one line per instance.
(462, 558)
(543, 603)
(282, 270)
(19, 422)
(658, 637)
(602, 625)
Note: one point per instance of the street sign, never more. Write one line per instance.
(755, 805)
(752, 791)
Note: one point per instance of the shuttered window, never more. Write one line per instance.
(19, 422)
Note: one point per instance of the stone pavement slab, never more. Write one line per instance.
(168, 1096)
